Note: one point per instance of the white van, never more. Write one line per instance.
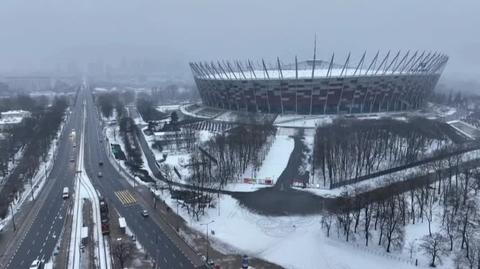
(65, 193)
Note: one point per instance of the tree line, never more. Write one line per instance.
(451, 199)
(36, 135)
(114, 101)
(221, 160)
(348, 149)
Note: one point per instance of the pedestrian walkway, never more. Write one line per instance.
(125, 197)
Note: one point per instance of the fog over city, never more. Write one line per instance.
(51, 36)
(253, 134)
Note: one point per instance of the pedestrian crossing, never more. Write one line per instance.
(125, 197)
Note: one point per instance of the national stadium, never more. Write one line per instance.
(381, 83)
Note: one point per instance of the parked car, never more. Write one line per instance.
(100, 174)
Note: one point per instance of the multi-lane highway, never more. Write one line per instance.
(158, 239)
(42, 229)
(40, 234)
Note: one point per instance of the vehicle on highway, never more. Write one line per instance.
(104, 215)
(65, 193)
(100, 174)
(100, 163)
(145, 213)
(72, 160)
(36, 264)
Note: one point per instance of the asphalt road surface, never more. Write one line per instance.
(121, 196)
(42, 236)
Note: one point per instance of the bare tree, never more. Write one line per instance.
(327, 223)
(435, 247)
(123, 251)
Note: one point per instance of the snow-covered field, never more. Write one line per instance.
(295, 241)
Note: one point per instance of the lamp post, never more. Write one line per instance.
(208, 242)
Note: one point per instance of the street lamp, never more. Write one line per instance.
(208, 242)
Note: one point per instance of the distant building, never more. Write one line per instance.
(10, 119)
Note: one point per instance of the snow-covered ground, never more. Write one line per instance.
(275, 162)
(302, 121)
(294, 241)
(314, 121)
(193, 113)
(179, 160)
(168, 108)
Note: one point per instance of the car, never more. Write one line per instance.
(100, 174)
(100, 163)
(36, 264)
(65, 193)
(72, 160)
(145, 213)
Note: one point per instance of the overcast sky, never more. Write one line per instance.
(34, 34)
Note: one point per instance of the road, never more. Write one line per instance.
(158, 239)
(38, 239)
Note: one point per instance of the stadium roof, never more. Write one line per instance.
(398, 64)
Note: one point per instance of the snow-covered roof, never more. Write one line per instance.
(15, 113)
(13, 117)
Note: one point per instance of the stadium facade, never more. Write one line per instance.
(393, 82)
